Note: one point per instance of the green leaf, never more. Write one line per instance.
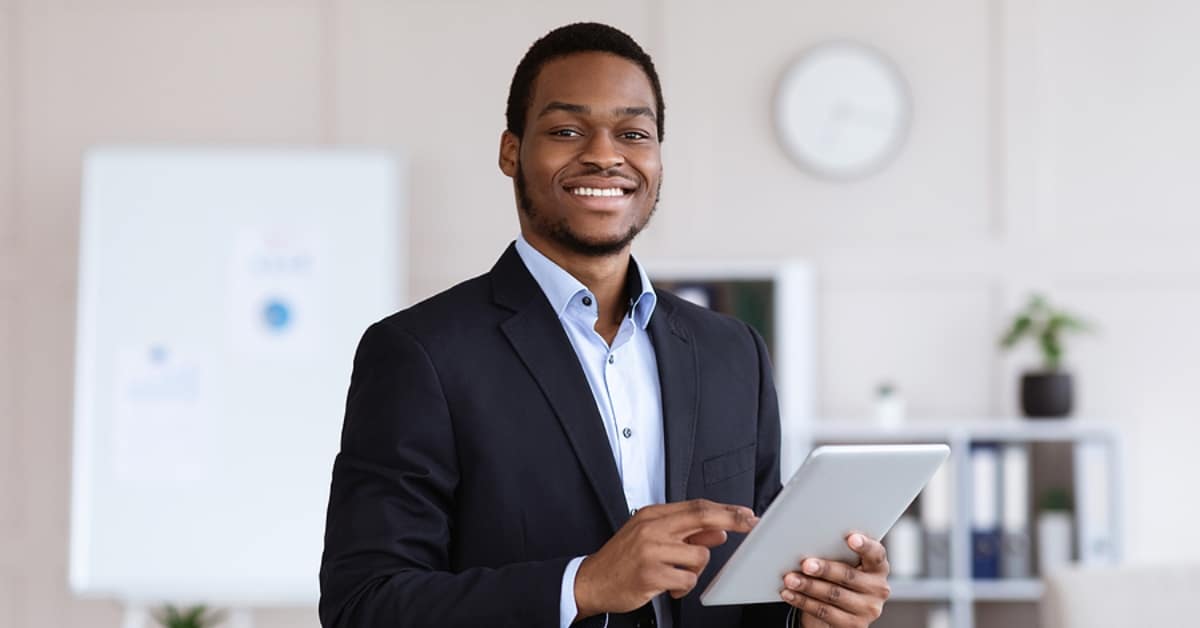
(1051, 349)
(1038, 305)
(1069, 322)
(195, 617)
(1046, 326)
(1055, 499)
(1020, 327)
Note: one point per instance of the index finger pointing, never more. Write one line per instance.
(872, 552)
(701, 514)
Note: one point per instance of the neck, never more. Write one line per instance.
(604, 277)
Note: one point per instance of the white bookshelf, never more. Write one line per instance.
(922, 590)
(1097, 535)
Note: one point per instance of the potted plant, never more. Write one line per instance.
(1047, 392)
(194, 617)
(1054, 525)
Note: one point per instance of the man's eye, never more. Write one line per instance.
(635, 135)
(566, 133)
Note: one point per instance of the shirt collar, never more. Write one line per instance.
(560, 287)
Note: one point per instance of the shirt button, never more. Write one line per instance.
(611, 359)
(627, 432)
(587, 301)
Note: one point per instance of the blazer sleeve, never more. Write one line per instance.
(766, 481)
(391, 509)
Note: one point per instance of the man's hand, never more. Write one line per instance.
(834, 594)
(662, 548)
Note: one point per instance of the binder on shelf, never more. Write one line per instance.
(903, 543)
(985, 516)
(935, 504)
(1015, 547)
(1093, 515)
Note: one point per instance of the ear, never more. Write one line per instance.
(510, 153)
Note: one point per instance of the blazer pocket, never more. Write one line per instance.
(729, 464)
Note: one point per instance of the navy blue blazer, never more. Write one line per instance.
(474, 464)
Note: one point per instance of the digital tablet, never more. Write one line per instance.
(838, 490)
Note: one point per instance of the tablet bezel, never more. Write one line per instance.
(838, 490)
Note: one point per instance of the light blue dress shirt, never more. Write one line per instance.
(624, 381)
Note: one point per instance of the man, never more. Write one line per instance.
(555, 443)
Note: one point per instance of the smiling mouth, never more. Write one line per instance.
(581, 191)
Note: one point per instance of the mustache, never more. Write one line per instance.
(615, 172)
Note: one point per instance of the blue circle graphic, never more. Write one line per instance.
(277, 315)
(158, 354)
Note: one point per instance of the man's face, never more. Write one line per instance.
(588, 168)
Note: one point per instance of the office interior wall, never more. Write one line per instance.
(1116, 99)
(1048, 151)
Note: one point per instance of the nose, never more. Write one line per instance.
(602, 152)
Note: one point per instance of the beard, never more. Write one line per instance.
(559, 230)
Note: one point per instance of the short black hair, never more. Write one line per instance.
(568, 40)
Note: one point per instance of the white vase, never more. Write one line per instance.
(1054, 532)
(938, 617)
(889, 407)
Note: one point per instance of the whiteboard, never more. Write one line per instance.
(222, 293)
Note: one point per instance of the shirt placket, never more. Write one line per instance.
(631, 462)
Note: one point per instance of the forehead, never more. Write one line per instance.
(594, 79)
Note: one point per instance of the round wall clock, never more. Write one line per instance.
(842, 110)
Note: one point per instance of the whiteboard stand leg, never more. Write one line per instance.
(241, 618)
(136, 616)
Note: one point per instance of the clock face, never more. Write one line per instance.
(842, 110)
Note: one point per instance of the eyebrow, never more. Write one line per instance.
(584, 109)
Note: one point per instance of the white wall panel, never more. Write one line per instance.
(90, 613)
(727, 176)
(935, 339)
(11, 600)
(44, 381)
(12, 503)
(1119, 91)
(1140, 371)
(432, 79)
(39, 585)
(153, 74)
(181, 5)
(101, 75)
(8, 120)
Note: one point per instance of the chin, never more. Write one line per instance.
(595, 244)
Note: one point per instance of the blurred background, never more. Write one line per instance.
(1045, 152)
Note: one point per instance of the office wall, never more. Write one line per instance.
(1048, 150)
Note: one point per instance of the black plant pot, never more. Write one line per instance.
(1046, 395)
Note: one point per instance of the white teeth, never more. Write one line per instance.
(598, 192)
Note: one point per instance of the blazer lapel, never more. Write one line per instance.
(678, 374)
(537, 336)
